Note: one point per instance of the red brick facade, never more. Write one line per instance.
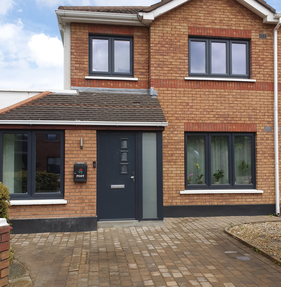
(81, 197)
(4, 255)
(80, 55)
(161, 61)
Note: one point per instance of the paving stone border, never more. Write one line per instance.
(253, 247)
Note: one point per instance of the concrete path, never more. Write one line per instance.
(184, 252)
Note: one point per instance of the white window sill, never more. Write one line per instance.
(221, 191)
(220, 79)
(38, 202)
(111, 78)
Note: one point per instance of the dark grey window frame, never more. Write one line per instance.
(208, 55)
(31, 166)
(111, 40)
(207, 172)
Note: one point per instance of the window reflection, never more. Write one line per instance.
(197, 57)
(219, 58)
(243, 159)
(239, 59)
(15, 162)
(100, 55)
(122, 56)
(48, 158)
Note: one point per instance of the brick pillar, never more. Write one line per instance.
(4, 252)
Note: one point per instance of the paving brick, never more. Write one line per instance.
(184, 252)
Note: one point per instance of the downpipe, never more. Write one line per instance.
(276, 142)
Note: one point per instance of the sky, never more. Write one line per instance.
(31, 51)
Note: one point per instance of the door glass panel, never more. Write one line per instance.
(124, 168)
(218, 58)
(243, 159)
(122, 56)
(198, 57)
(239, 52)
(48, 160)
(149, 175)
(124, 156)
(219, 160)
(124, 143)
(195, 159)
(15, 147)
(100, 55)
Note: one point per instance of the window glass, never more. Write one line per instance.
(197, 57)
(239, 55)
(15, 162)
(48, 159)
(195, 159)
(100, 55)
(149, 175)
(219, 160)
(243, 159)
(218, 58)
(122, 56)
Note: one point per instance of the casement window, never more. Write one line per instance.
(111, 56)
(219, 58)
(220, 160)
(31, 163)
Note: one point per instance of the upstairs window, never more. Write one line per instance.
(219, 58)
(111, 56)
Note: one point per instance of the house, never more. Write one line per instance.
(174, 112)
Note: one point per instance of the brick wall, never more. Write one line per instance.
(81, 197)
(4, 255)
(203, 105)
(80, 55)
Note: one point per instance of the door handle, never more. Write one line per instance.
(133, 176)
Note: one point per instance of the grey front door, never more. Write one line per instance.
(116, 175)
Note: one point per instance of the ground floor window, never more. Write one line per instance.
(220, 160)
(32, 163)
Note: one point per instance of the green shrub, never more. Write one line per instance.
(4, 202)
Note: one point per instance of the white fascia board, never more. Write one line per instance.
(150, 16)
(84, 123)
(67, 16)
(260, 10)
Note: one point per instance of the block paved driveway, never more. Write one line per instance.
(184, 252)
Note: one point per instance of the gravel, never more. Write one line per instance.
(265, 236)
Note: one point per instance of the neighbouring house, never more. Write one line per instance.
(173, 112)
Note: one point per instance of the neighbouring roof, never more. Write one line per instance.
(87, 106)
(134, 9)
(107, 9)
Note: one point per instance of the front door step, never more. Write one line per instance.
(129, 223)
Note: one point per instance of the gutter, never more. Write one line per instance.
(276, 142)
(84, 123)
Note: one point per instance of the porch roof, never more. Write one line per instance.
(86, 107)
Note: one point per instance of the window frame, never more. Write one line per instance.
(231, 163)
(208, 57)
(31, 165)
(111, 40)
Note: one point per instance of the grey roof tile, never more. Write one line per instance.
(135, 9)
(90, 107)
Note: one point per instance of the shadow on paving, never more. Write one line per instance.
(19, 276)
(183, 252)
